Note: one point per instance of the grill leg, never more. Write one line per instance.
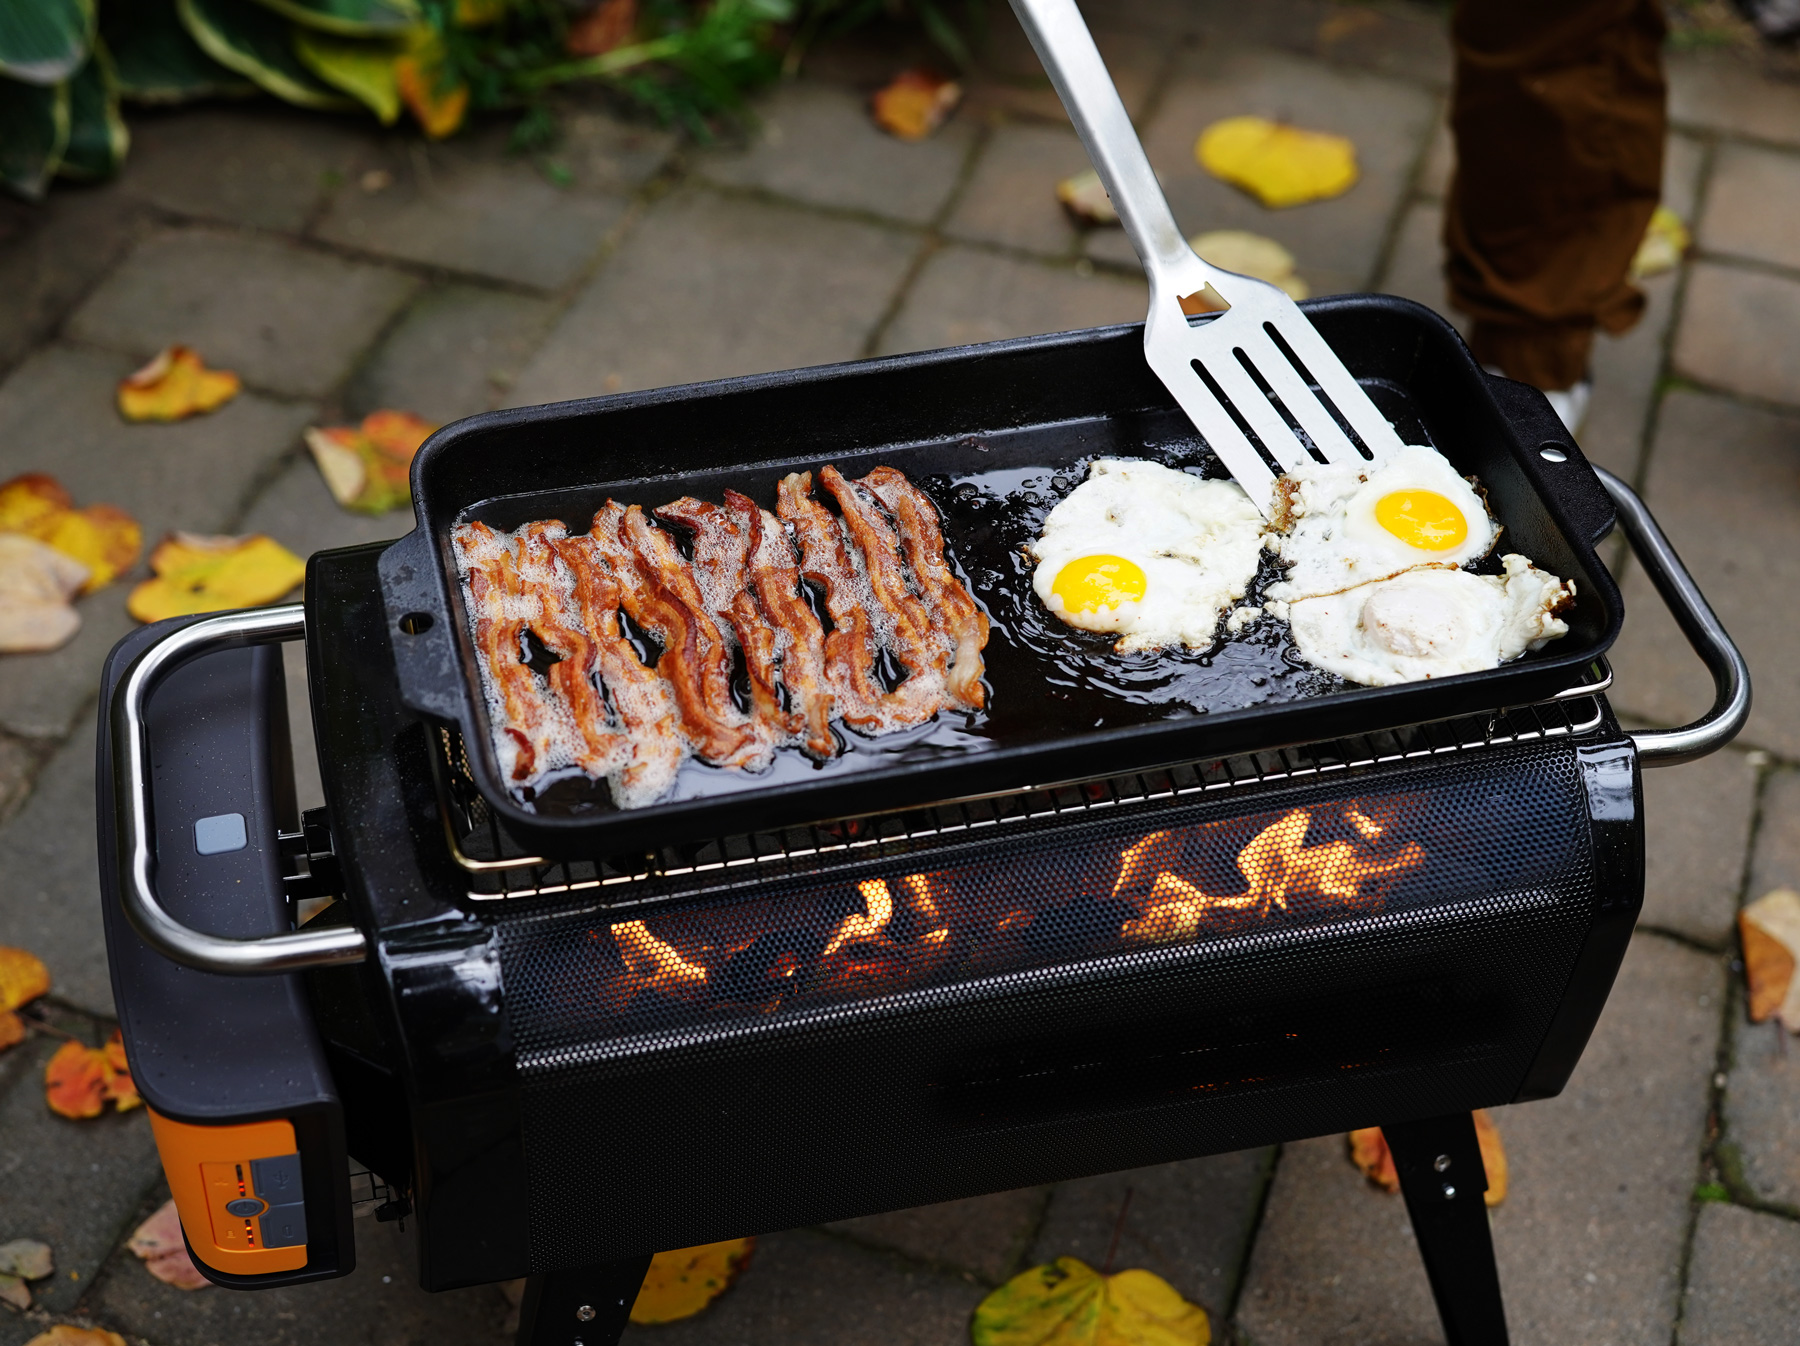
(1442, 1178)
(585, 1307)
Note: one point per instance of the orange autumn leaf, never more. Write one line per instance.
(29, 501)
(103, 538)
(199, 573)
(75, 1081)
(609, 24)
(23, 977)
(12, 1030)
(437, 102)
(914, 103)
(681, 1283)
(63, 1334)
(174, 386)
(159, 1243)
(1369, 1152)
(1770, 929)
(367, 467)
(121, 1089)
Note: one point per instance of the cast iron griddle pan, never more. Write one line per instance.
(995, 434)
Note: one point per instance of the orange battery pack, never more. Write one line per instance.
(237, 1189)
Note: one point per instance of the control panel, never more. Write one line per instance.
(238, 1191)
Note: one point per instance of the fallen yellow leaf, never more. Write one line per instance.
(1770, 927)
(23, 977)
(366, 467)
(1251, 254)
(36, 584)
(12, 1030)
(103, 538)
(914, 103)
(1068, 1303)
(65, 1335)
(31, 501)
(1085, 198)
(681, 1283)
(1665, 240)
(1369, 1152)
(437, 99)
(174, 386)
(159, 1243)
(196, 573)
(1279, 165)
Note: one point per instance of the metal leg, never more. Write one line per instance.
(585, 1307)
(1442, 1178)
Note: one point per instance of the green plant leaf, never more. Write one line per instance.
(34, 128)
(259, 43)
(351, 18)
(158, 61)
(360, 68)
(44, 41)
(98, 139)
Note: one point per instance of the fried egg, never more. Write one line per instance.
(1344, 528)
(1147, 552)
(1430, 622)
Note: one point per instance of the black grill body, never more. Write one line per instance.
(576, 1077)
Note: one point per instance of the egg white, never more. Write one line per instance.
(1197, 542)
(1333, 540)
(1430, 622)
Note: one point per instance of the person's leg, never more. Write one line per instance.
(1559, 117)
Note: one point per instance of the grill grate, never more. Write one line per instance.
(499, 869)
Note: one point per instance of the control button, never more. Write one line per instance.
(246, 1206)
(277, 1180)
(220, 833)
(284, 1226)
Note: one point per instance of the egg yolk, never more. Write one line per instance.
(1090, 583)
(1422, 519)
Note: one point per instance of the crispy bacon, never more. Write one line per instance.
(502, 611)
(775, 579)
(657, 592)
(923, 651)
(952, 607)
(643, 702)
(722, 567)
(598, 749)
(850, 644)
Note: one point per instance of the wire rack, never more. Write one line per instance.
(497, 869)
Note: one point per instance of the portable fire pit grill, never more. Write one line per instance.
(1390, 908)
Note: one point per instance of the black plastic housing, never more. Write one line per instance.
(205, 1048)
(1044, 401)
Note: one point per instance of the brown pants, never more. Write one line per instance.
(1559, 119)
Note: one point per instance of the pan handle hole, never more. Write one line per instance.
(1553, 453)
(416, 623)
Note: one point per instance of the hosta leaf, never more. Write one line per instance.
(258, 42)
(34, 129)
(359, 67)
(97, 135)
(351, 18)
(158, 61)
(44, 41)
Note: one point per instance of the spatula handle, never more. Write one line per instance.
(1063, 43)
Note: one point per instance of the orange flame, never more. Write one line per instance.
(650, 961)
(860, 928)
(1277, 865)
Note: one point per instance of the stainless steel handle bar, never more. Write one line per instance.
(1731, 675)
(131, 794)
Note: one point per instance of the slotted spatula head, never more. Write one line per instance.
(1257, 379)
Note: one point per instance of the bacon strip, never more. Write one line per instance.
(952, 607)
(598, 750)
(643, 702)
(850, 644)
(775, 578)
(722, 567)
(659, 594)
(503, 609)
(922, 650)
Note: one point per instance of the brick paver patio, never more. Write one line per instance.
(470, 281)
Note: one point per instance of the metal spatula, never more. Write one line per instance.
(1257, 374)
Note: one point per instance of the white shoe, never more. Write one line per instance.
(1569, 404)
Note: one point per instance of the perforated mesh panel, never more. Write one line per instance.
(1164, 982)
